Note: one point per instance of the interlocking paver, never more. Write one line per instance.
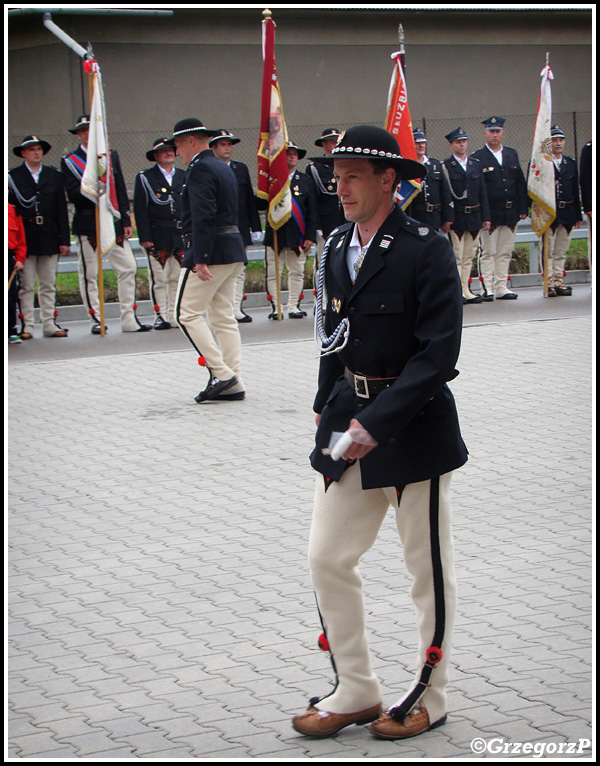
(162, 608)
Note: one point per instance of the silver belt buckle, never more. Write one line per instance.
(39, 219)
(361, 386)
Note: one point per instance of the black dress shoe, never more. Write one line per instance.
(161, 324)
(563, 290)
(275, 316)
(214, 388)
(474, 299)
(508, 297)
(97, 329)
(144, 327)
(297, 314)
(487, 298)
(240, 396)
(243, 319)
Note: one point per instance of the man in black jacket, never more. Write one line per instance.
(222, 144)
(507, 197)
(38, 193)
(294, 239)
(433, 204)
(121, 256)
(471, 209)
(389, 318)
(214, 256)
(568, 213)
(157, 208)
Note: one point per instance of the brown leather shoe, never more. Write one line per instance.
(416, 722)
(318, 723)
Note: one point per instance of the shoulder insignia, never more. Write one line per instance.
(423, 231)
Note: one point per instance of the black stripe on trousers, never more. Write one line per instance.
(178, 314)
(400, 712)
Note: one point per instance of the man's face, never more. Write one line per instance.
(32, 154)
(558, 145)
(494, 137)
(459, 147)
(165, 157)
(84, 135)
(362, 193)
(329, 145)
(185, 148)
(223, 148)
(421, 148)
(292, 159)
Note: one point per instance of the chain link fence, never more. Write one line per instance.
(518, 134)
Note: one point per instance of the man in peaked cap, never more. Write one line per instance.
(38, 193)
(157, 208)
(507, 196)
(214, 256)
(568, 213)
(433, 205)
(471, 209)
(121, 256)
(294, 239)
(389, 320)
(222, 144)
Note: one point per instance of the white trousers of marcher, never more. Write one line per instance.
(218, 339)
(494, 261)
(122, 260)
(295, 266)
(464, 248)
(240, 283)
(44, 268)
(558, 247)
(346, 522)
(163, 283)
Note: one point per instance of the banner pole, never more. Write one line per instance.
(545, 245)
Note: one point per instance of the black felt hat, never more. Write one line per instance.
(301, 152)
(327, 135)
(82, 122)
(375, 143)
(222, 133)
(160, 143)
(31, 141)
(191, 125)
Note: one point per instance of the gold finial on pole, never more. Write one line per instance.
(266, 14)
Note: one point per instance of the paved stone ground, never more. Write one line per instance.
(159, 599)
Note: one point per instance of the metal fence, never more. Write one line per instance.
(518, 134)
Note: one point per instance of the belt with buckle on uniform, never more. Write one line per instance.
(565, 203)
(37, 219)
(469, 208)
(226, 230)
(366, 388)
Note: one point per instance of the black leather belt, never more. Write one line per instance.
(566, 204)
(166, 224)
(35, 219)
(367, 388)
(469, 208)
(227, 230)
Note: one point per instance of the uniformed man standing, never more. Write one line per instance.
(389, 320)
(471, 209)
(433, 205)
(568, 213)
(121, 256)
(329, 210)
(294, 239)
(157, 209)
(507, 196)
(38, 193)
(248, 218)
(214, 256)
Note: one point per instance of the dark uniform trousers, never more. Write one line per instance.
(205, 310)
(568, 213)
(43, 208)
(120, 256)
(405, 314)
(507, 196)
(470, 210)
(290, 240)
(157, 209)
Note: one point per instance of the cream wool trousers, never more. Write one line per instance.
(346, 522)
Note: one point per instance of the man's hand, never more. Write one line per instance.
(356, 450)
(64, 250)
(202, 272)
(127, 232)
(307, 245)
(147, 245)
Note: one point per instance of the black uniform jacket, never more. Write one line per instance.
(405, 312)
(505, 185)
(84, 219)
(329, 209)
(45, 215)
(289, 235)
(566, 183)
(433, 205)
(209, 206)
(248, 217)
(157, 209)
(585, 177)
(470, 212)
